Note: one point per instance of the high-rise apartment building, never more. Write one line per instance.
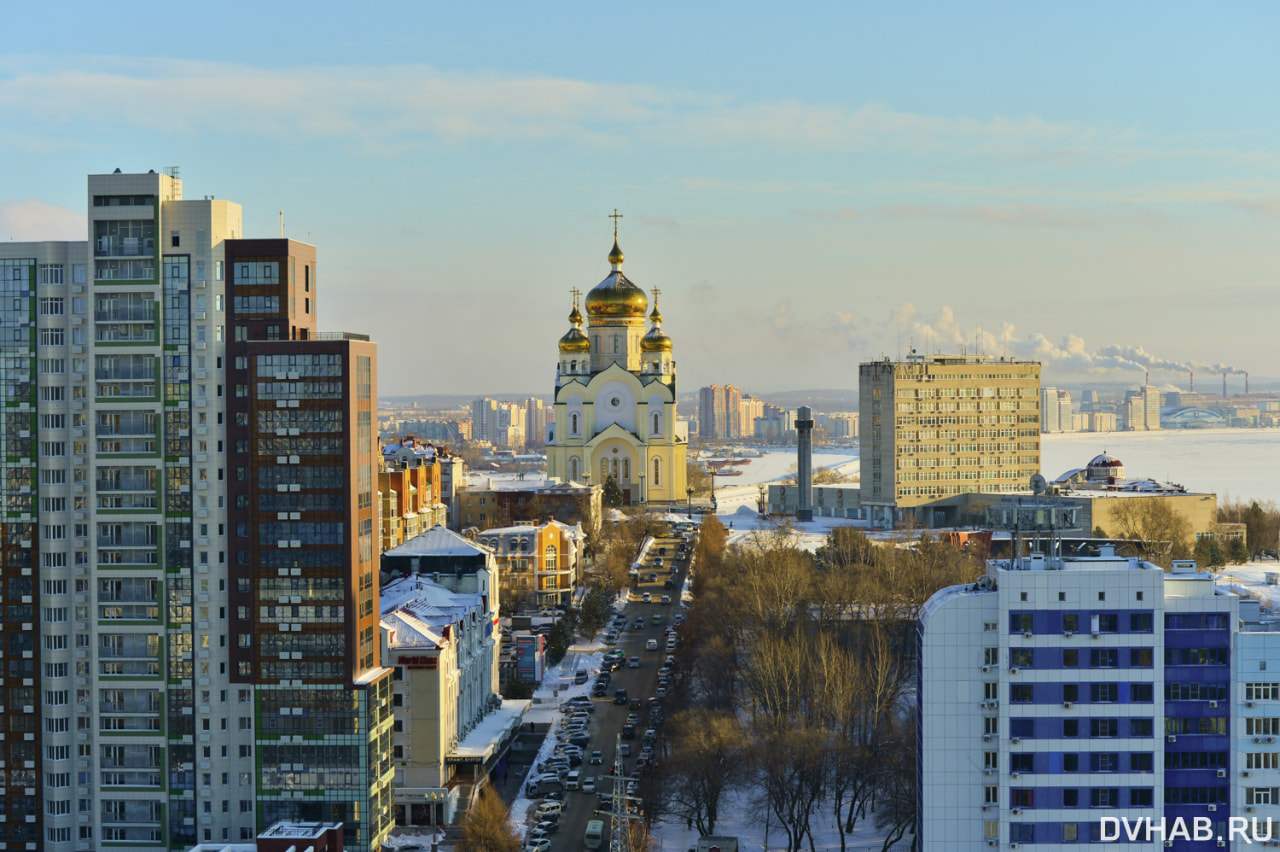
(1142, 409)
(130, 724)
(934, 427)
(720, 412)
(1057, 692)
(1056, 414)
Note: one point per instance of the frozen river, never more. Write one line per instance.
(1240, 463)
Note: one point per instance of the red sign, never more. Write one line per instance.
(418, 662)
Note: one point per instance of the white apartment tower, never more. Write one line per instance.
(113, 544)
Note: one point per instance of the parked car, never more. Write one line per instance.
(600, 690)
(542, 844)
(646, 597)
(666, 599)
(620, 697)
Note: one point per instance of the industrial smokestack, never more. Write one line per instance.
(1246, 382)
(1193, 381)
(1224, 384)
(1146, 377)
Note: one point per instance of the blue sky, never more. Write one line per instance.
(1094, 185)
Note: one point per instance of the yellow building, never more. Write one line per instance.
(615, 399)
(537, 564)
(936, 427)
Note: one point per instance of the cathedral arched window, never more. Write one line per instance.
(615, 468)
(573, 366)
(550, 562)
(615, 344)
(657, 423)
(657, 471)
(626, 469)
(573, 467)
(604, 470)
(573, 424)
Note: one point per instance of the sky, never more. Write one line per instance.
(1093, 185)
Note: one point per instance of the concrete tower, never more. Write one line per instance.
(804, 463)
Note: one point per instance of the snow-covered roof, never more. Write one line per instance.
(439, 541)
(419, 612)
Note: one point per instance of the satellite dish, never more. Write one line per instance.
(1038, 484)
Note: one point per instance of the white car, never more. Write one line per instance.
(589, 784)
(646, 597)
(542, 844)
(651, 645)
(633, 663)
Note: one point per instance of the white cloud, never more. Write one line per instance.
(30, 219)
(393, 107)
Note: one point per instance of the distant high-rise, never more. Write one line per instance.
(720, 413)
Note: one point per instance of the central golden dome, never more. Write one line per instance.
(616, 298)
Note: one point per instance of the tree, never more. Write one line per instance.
(612, 495)
(820, 476)
(487, 827)
(1163, 532)
(594, 611)
(1099, 532)
(697, 479)
(708, 764)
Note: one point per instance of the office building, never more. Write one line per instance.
(720, 413)
(615, 397)
(130, 722)
(1057, 691)
(1055, 411)
(1142, 409)
(940, 426)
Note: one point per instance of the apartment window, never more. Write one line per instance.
(53, 307)
(174, 239)
(1104, 797)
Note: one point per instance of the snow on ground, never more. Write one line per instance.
(779, 464)
(745, 523)
(1250, 579)
(741, 818)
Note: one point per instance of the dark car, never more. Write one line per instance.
(580, 676)
(628, 732)
(620, 697)
(669, 584)
(635, 702)
(601, 690)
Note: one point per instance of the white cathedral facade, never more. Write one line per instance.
(615, 400)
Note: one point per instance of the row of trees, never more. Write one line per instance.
(794, 679)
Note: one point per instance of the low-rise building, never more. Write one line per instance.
(539, 563)
(496, 501)
(440, 636)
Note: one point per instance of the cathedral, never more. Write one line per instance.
(615, 400)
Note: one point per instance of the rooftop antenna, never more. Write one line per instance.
(281, 224)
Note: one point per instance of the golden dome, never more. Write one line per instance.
(575, 316)
(575, 341)
(655, 340)
(616, 298)
(655, 316)
(616, 257)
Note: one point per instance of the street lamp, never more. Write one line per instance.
(689, 496)
(642, 489)
(713, 491)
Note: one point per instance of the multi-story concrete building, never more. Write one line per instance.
(939, 426)
(1056, 692)
(130, 723)
(1142, 409)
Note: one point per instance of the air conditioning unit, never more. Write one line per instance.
(1013, 671)
(1016, 740)
(1244, 774)
(1222, 842)
(1248, 704)
(986, 807)
(1271, 739)
(988, 772)
(1015, 775)
(1213, 808)
(1168, 843)
(1013, 846)
(1016, 812)
(1068, 634)
(993, 842)
(1213, 704)
(1097, 635)
(1066, 705)
(1026, 634)
(986, 669)
(1222, 773)
(1257, 739)
(986, 738)
(1248, 809)
(1171, 739)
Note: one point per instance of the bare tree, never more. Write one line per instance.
(709, 763)
(789, 775)
(487, 827)
(1164, 532)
